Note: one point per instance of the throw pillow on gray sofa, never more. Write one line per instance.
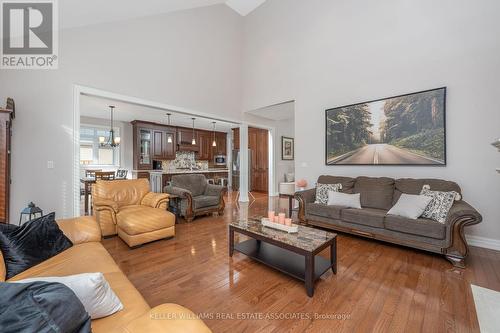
(410, 206)
(440, 204)
(322, 192)
(344, 199)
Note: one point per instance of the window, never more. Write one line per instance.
(91, 153)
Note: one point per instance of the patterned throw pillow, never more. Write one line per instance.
(322, 192)
(440, 204)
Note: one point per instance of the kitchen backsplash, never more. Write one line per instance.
(184, 160)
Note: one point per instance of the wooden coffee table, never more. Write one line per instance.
(293, 254)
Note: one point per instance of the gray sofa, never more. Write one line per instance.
(197, 196)
(378, 195)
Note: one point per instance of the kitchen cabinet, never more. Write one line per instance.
(170, 147)
(221, 140)
(162, 148)
(185, 136)
(143, 151)
(151, 143)
(205, 151)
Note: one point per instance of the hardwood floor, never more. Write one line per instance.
(379, 287)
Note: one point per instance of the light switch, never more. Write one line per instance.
(50, 164)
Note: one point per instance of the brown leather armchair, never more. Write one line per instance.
(128, 208)
(197, 196)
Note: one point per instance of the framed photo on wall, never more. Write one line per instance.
(287, 148)
(402, 130)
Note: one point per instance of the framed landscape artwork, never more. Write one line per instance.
(287, 148)
(402, 130)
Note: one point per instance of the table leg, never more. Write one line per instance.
(333, 256)
(86, 198)
(309, 274)
(231, 241)
(290, 203)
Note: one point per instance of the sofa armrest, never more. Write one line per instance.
(183, 193)
(81, 229)
(168, 318)
(304, 197)
(154, 200)
(105, 204)
(214, 190)
(461, 215)
(460, 211)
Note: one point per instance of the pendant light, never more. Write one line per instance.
(214, 143)
(169, 138)
(193, 142)
(112, 140)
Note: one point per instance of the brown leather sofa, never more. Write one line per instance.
(378, 195)
(128, 208)
(87, 255)
(197, 196)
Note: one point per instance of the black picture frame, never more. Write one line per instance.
(291, 156)
(442, 163)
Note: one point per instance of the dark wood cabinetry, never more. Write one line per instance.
(151, 142)
(6, 116)
(164, 143)
(221, 141)
(205, 146)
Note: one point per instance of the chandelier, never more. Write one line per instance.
(111, 141)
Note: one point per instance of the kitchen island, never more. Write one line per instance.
(166, 175)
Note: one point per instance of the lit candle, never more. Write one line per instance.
(270, 215)
(288, 222)
(281, 218)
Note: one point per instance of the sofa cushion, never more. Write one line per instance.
(41, 307)
(203, 201)
(332, 212)
(88, 258)
(367, 216)
(141, 219)
(31, 243)
(194, 183)
(347, 182)
(122, 192)
(414, 186)
(375, 192)
(419, 227)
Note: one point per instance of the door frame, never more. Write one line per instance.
(79, 90)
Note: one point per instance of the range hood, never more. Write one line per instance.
(188, 147)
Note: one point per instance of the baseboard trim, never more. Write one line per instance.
(488, 243)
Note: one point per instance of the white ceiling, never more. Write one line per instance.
(281, 111)
(97, 107)
(78, 13)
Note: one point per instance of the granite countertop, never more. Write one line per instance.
(181, 171)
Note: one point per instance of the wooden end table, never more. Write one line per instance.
(293, 254)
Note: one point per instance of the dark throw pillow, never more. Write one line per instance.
(30, 244)
(41, 307)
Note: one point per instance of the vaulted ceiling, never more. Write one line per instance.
(78, 13)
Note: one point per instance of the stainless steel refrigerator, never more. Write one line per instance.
(235, 165)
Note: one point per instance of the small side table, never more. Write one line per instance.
(290, 203)
(173, 205)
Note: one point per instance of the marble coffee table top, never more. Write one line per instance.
(308, 239)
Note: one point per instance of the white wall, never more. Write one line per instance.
(190, 59)
(324, 53)
(283, 128)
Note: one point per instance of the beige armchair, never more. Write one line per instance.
(128, 208)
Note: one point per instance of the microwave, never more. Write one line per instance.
(220, 160)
